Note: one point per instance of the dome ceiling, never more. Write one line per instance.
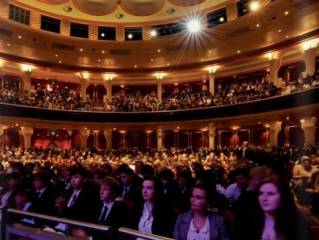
(123, 11)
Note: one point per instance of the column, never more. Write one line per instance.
(274, 129)
(231, 9)
(108, 87)
(84, 85)
(212, 83)
(108, 136)
(309, 57)
(26, 81)
(2, 128)
(27, 133)
(160, 136)
(146, 33)
(159, 91)
(309, 126)
(274, 65)
(120, 33)
(211, 133)
(84, 138)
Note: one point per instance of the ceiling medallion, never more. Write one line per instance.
(119, 15)
(67, 9)
(170, 11)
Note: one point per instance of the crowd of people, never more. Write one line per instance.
(242, 193)
(66, 98)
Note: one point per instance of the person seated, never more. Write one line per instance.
(111, 212)
(301, 178)
(43, 196)
(199, 222)
(78, 203)
(150, 215)
(276, 215)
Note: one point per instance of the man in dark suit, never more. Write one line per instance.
(130, 190)
(111, 213)
(78, 203)
(43, 195)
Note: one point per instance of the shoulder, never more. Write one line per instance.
(216, 219)
(185, 217)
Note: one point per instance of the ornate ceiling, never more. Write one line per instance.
(124, 11)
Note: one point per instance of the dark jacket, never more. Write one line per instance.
(163, 222)
(217, 229)
(85, 206)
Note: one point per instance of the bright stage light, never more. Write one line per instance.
(254, 6)
(153, 33)
(194, 25)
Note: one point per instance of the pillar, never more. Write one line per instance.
(274, 65)
(120, 33)
(274, 129)
(108, 136)
(26, 81)
(309, 57)
(146, 33)
(212, 83)
(27, 133)
(211, 133)
(84, 138)
(309, 126)
(84, 85)
(160, 136)
(108, 87)
(2, 127)
(159, 91)
(231, 9)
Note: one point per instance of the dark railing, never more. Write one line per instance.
(297, 99)
(11, 230)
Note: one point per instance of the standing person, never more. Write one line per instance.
(276, 216)
(149, 215)
(199, 223)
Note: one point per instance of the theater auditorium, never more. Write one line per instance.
(159, 119)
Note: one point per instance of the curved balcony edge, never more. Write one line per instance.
(297, 99)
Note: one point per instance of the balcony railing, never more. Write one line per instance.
(297, 99)
(11, 230)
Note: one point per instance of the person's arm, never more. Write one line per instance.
(223, 233)
(176, 232)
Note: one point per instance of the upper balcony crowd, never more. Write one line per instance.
(65, 98)
(179, 192)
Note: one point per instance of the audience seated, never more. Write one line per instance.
(66, 98)
(81, 185)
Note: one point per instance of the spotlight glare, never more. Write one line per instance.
(130, 36)
(193, 25)
(153, 33)
(254, 6)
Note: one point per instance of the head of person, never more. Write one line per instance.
(78, 175)
(109, 189)
(257, 175)
(166, 177)
(126, 175)
(10, 181)
(40, 181)
(138, 167)
(201, 198)
(150, 189)
(21, 198)
(98, 176)
(242, 177)
(275, 197)
(306, 162)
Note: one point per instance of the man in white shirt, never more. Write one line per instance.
(234, 190)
